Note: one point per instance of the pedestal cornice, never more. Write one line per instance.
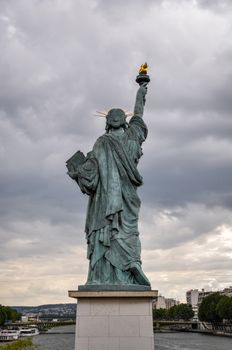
(112, 294)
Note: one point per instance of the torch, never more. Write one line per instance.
(143, 77)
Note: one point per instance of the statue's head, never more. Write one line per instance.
(115, 119)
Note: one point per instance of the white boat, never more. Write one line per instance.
(9, 335)
(28, 332)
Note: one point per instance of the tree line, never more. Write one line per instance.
(216, 308)
(7, 313)
(177, 312)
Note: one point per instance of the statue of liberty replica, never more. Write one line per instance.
(109, 176)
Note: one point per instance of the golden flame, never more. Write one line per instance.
(143, 68)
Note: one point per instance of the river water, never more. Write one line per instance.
(163, 341)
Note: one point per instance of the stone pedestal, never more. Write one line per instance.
(114, 320)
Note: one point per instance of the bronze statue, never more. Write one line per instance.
(109, 176)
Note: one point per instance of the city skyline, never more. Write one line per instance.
(63, 61)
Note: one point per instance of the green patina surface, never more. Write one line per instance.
(109, 176)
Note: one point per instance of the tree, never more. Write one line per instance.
(159, 314)
(171, 313)
(7, 314)
(208, 308)
(183, 312)
(224, 308)
(2, 315)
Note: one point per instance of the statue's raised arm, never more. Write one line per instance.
(140, 100)
(142, 79)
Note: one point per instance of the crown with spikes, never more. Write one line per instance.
(104, 113)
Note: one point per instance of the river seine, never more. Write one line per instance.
(163, 341)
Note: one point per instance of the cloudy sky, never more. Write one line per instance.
(60, 61)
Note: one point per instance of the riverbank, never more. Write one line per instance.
(21, 344)
(207, 332)
(214, 333)
(215, 329)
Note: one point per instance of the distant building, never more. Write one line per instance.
(24, 318)
(47, 312)
(164, 303)
(160, 303)
(195, 297)
(203, 294)
(227, 291)
(170, 302)
(192, 298)
(29, 318)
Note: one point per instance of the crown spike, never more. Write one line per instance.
(104, 113)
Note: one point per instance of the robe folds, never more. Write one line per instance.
(110, 177)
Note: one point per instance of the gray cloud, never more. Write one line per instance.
(167, 228)
(217, 5)
(62, 61)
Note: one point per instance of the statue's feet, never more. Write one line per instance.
(139, 274)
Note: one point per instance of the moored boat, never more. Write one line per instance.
(28, 332)
(9, 335)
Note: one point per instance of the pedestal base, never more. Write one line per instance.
(114, 320)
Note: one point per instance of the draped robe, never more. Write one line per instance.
(110, 177)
